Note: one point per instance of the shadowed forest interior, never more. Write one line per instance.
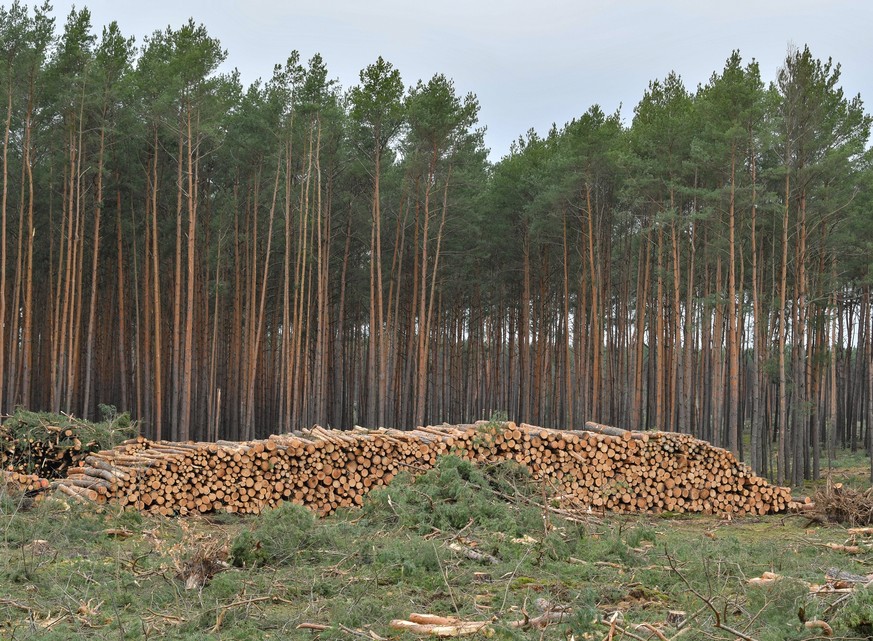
(230, 261)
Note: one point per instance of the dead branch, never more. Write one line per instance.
(614, 627)
(708, 602)
(224, 610)
(650, 628)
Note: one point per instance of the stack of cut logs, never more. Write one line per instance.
(19, 482)
(601, 468)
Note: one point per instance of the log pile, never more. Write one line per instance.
(20, 483)
(600, 469)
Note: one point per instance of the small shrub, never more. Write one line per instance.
(455, 492)
(12, 502)
(857, 614)
(639, 534)
(409, 557)
(276, 538)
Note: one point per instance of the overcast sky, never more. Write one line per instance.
(531, 63)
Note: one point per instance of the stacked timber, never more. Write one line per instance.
(600, 468)
(12, 482)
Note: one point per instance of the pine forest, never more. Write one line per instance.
(227, 261)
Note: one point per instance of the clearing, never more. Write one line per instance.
(479, 546)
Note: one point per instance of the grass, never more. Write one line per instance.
(68, 571)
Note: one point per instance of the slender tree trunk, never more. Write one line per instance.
(187, 381)
(176, 388)
(156, 293)
(733, 419)
(643, 268)
(259, 321)
(3, 215)
(92, 309)
(421, 370)
(596, 339)
(13, 390)
(373, 336)
(422, 380)
(340, 339)
(214, 408)
(524, 331)
(285, 415)
(676, 351)
(27, 335)
(123, 355)
(659, 337)
(568, 414)
(301, 280)
(782, 453)
(869, 332)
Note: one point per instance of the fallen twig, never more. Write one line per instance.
(166, 617)
(16, 604)
(360, 633)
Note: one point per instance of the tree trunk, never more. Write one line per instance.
(92, 308)
(733, 419)
(156, 292)
(782, 454)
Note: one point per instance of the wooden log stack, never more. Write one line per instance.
(21, 483)
(600, 468)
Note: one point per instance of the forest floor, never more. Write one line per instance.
(479, 545)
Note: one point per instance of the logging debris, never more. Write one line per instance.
(592, 470)
(424, 624)
(836, 582)
(842, 504)
(41, 445)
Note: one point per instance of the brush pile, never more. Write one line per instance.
(47, 445)
(842, 504)
(599, 469)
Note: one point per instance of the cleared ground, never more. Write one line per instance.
(480, 545)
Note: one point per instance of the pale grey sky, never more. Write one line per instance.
(531, 63)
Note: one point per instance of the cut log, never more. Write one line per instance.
(457, 629)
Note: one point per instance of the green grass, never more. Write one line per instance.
(72, 572)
